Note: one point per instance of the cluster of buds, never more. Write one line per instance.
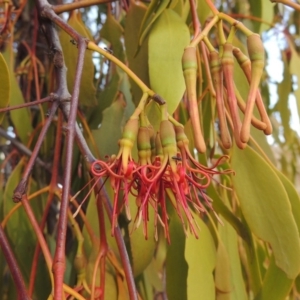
(165, 169)
(220, 71)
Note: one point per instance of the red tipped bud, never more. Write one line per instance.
(257, 57)
(127, 141)
(217, 77)
(189, 66)
(228, 65)
(144, 146)
(168, 142)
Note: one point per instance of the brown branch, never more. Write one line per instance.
(80, 4)
(59, 258)
(23, 149)
(21, 188)
(288, 3)
(13, 266)
(36, 102)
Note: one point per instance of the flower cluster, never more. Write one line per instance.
(165, 169)
(219, 67)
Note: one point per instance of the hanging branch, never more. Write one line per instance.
(13, 266)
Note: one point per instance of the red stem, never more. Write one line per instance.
(13, 266)
(59, 257)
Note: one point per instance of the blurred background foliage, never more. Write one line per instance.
(253, 252)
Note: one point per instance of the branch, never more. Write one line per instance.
(13, 266)
(288, 3)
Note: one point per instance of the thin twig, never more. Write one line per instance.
(23, 149)
(21, 188)
(75, 5)
(59, 258)
(13, 266)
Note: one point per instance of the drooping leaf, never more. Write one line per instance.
(203, 11)
(138, 61)
(87, 95)
(105, 98)
(5, 85)
(230, 240)
(222, 273)
(293, 197)
(154, 10)
(142, 250)
(266, 208)
(276, 284)
(112, 31)
(176, 264)
(295, 70)
(264, 10)
(167, 40)
(107, 136)
(200, 255)
(21, 118)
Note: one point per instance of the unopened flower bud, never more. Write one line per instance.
(217, 78)
(189, 66)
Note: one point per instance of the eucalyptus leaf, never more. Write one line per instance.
(5, 85)
(200, 255)
(167, 40)
(266, 208)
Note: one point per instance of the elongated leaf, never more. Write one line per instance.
(263, 10)
(203, 11)
(105, 98)
(222, 273)
(200, 255)
(21, 117)
(112, 31)
(154, 10)
(138, 62)
(87, 94)
(276, 284)
(5, 85)
(266, 207)
(167, 40)
(107, 136)
(295, 70)
(230, 240)
(176, 264)
(293, 197)
(142, 250)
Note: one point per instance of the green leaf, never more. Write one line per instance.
(107, 136)
(276, 284)
(112, 31)
(142, 250)
(264, 10)
(176, 265)
(222, 273)
(167, 40)
(21, 118)
(293, 197)
(5, 85)
(87, 95)
(155, 9)
(295, 70)
(200, 255)
(230, 239)
(18, 228)
(203, 11)
(266, 208)
(105, 98)
(138, 62)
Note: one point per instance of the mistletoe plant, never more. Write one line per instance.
(133, 147)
